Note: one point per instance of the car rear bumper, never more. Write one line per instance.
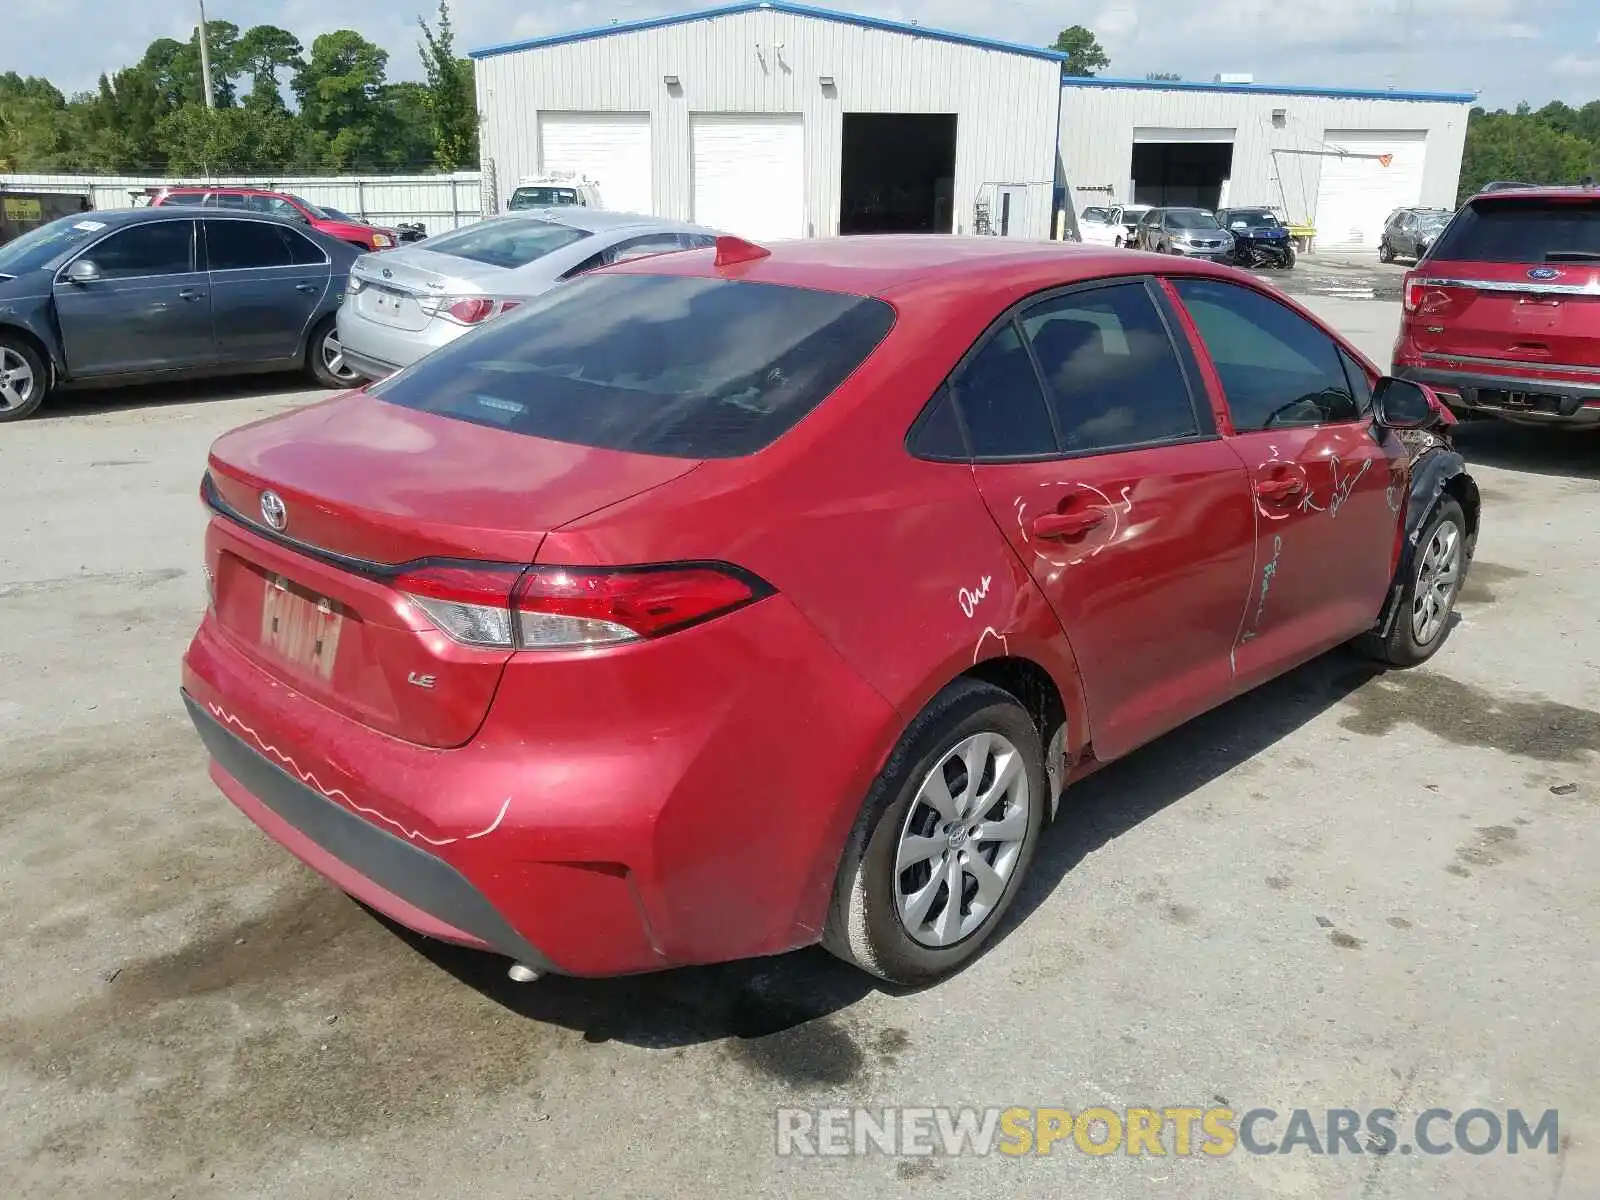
(1539, 399)
(671, 803)
(377, 350)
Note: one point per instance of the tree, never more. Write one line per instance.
(339, 86)
(451, 98)
(1084, 54)
(262, 53)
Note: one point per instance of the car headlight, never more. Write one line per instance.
(380, 240)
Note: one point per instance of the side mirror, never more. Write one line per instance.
(83, 271)
(1401, 404)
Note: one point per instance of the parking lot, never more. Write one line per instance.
(1346, 890)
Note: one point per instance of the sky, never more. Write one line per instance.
(1507, 50)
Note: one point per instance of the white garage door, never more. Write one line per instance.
(1357, 195)
(749, 173)
(611, 148)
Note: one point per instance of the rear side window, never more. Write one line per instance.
(183, 198)
(1523, 231)
(239, 245)
(998, 391)
(653, 364)
(509, 244)
(1110, 370)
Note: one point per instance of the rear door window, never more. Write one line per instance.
(654, 364)
(1112, 375)
(239, 245)
(1523, 230)
(509, 243)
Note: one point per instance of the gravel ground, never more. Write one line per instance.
(1345, 890)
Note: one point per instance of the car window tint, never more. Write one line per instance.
(639, 247)
(304, 251)
(184, 198)
(1277, 369)
(1360, 383)
(1110, 370)
(1003, 408)
(937, 434)
(510, 242)
(240, 245)
(156, 248)
(228, 200)
(699, 241)
(653, 364)
(1522, 230)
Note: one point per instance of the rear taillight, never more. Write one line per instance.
(564, 608)
(465, 310)
(1412, 294)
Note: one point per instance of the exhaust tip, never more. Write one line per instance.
(521, 973)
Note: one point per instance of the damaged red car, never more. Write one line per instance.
(733, 600)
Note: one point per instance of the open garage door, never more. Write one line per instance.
(749, 173)
(1181, 167)
(1357, 194)
(611, 148)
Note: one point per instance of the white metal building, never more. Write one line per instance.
(1338, 159)
(774, 120)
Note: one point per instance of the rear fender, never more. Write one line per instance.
(1436, 469)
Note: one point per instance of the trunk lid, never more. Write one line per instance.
(1514, 280)
(393, 283)
(365, 486)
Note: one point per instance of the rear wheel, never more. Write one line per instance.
(24, 378)
(325, 356)
(1428, 599)
(944, 839)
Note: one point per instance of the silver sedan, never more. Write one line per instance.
(400, 304)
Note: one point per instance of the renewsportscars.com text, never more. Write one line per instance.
(1178, 1131)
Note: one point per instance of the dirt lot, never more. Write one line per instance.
(1346, 890)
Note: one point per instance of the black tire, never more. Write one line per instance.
(323, 371)
(1402, 647)
(1288, 259)
(864, 925)
(27, 376)
(1385, 252)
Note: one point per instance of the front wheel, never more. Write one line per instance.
(1439, 568)
(1385, 252)
(24, 378)
(943, 840)
(1288, 259)
(325, 360)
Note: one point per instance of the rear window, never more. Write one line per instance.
(509, 244)
(543, 197)
(1523, 231)
(653, 364)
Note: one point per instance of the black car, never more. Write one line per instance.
(1259, 238)
(1409, 232)
(136, 295)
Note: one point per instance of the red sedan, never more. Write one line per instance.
(728, 601)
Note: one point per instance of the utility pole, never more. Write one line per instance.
(205, 59)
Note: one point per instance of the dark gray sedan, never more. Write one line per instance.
(108, 298)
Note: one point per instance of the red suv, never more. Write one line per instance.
(1502, 317)
(723, 602)
(281, 204)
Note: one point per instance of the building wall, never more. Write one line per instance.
(1007, 104)
(1098, 123)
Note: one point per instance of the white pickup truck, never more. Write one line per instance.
(1110, 225)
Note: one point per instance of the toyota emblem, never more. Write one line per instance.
(273, 511)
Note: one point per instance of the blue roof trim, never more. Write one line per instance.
(1267, 89)
(781, 6)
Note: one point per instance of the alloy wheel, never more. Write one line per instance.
(961, 840)
(333, 359)
(1438, 576)
(16, 380)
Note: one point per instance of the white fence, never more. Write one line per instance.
(440, 202)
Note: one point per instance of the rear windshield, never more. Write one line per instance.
(543, 197)
(654, 364)
(1523, 231)
(507, 244)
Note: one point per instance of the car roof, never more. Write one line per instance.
(206, 189)
(601, 220)
(110, 217)
(896, 266)
(1573, 191)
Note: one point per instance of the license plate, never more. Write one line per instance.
(299, 627)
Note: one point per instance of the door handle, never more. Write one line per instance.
(1278, 489)
(1067, 524)
(306, 287)
(190, 295)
